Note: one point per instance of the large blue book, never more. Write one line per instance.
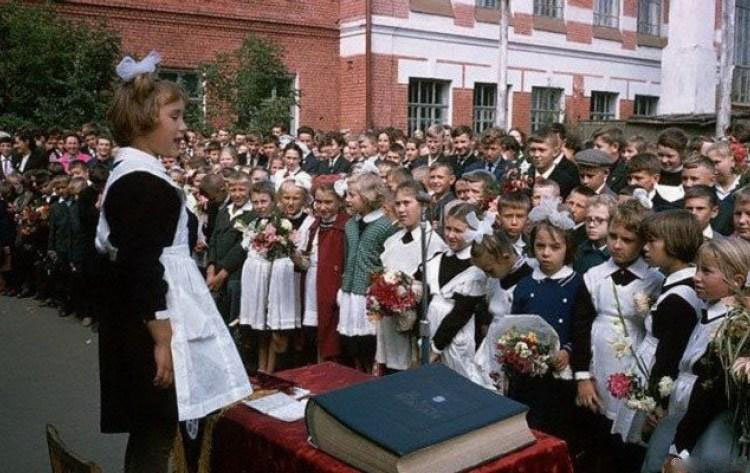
(430, 419)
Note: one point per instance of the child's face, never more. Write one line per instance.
(724, 165)
(354, 150)
(495, 266)
(441, 180)
(624, 246)
(476, 192)
(593, 178)
(276, 165)
(597, 221)
(393, 157)
(103, 148)
(383, 143)
(655, 253)
(699, 176)
(613, 150)
(408, 210)
(643, 179)
(72, 145)
(79, 171)
(549, 250)
(354, 202)
(270, 150)
(330, 150)
(741, 219)
(164, 140)
(262, 203)
(702, 209)
(226, 160)
(214, 156)
(327, 204)
(168, 162)
(710, 283)
(576, 204)
(669, 158)
(412, 152)
(543, 154)
(5, 149)
(629, 151)
(258, 176)
(292, 160)
(434, 144)
(462, 190)
(462, 144)
(539, 193)
(239, 192)
(292, 200)
(367, 148)
(513, 220)
(455, 234)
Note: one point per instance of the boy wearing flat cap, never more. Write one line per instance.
(593, 168)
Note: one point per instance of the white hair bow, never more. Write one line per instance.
(302, 180)
(547, 210)
(369, 166)
(340, 188)
(642, 197)
(481, 227)
(129, 68)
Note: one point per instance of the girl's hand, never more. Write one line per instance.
(653, 419)
(561, 360)
(587, 396)
(434, 357)
(161, 333)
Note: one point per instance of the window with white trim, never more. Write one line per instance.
(550, 8)
(485, 106)
(603, 105)
(191, 82)
(486, 3)
(645, 105)
(649, 17)
(741, 78)
(607, 13)
(545, 106)
(428, 103)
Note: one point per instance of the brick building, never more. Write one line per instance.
(408, 63)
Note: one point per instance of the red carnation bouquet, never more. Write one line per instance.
(394, 294)
(524, 353)
(630, 388)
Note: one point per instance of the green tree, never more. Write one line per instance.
(54, 72)
(251, 84)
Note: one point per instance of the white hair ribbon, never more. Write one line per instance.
(548, 210)
(481, 227)
(340, 188)
(302, 180)
(129, 68)
(369, 166)
(642, 197)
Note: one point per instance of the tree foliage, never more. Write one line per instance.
(252, 84)
(54, 72)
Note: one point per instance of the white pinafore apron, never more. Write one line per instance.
(629, 422)
(256, 275)
(208, 372)
(459, 354)
(702, 335)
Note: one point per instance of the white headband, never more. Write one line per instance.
(129, 68)
(547, 210)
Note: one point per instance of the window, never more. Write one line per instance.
(428, 103)
(485, 102)
(603, 105)
(190, 81)
(285, 88)
(649, 17)
(545, 106)
(551, 8)
(486, 3)
(741, 79)
(645, 105)
(607, 13)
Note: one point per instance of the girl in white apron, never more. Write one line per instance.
(403, 252)
(698, 394)
(256, 275)
(160, 325)
(456, 286)
(607, 325)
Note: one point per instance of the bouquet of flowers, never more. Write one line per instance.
(271, 238)
(394, 294)
(523, 353)
(630, 387)
(516, 180)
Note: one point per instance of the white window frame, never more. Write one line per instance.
(645, 105)
(546, 106)
(607, 13)
(486, 4)
(484, 106)
(603, 105)
(427, 103)
(649, 17)
(741, 77)
(549, 8)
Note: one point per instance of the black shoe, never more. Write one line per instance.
(25, 294)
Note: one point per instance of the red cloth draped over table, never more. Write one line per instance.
(246, 441)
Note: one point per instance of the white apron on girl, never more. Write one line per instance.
(256, 274)
(629, 422)
(702, 335)
(208, 372)
(284, 288)
(459, 354)
(610, 352)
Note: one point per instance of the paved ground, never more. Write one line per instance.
(49, 373)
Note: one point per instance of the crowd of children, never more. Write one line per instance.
(514, 225)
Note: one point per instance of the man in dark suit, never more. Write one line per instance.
(464, 157)
(27, 156)
(6, 156)
(434, 142)
(611, 141)
(306, 136)
(549, 162)
(333, 161)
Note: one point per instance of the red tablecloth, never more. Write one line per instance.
(247, 441)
